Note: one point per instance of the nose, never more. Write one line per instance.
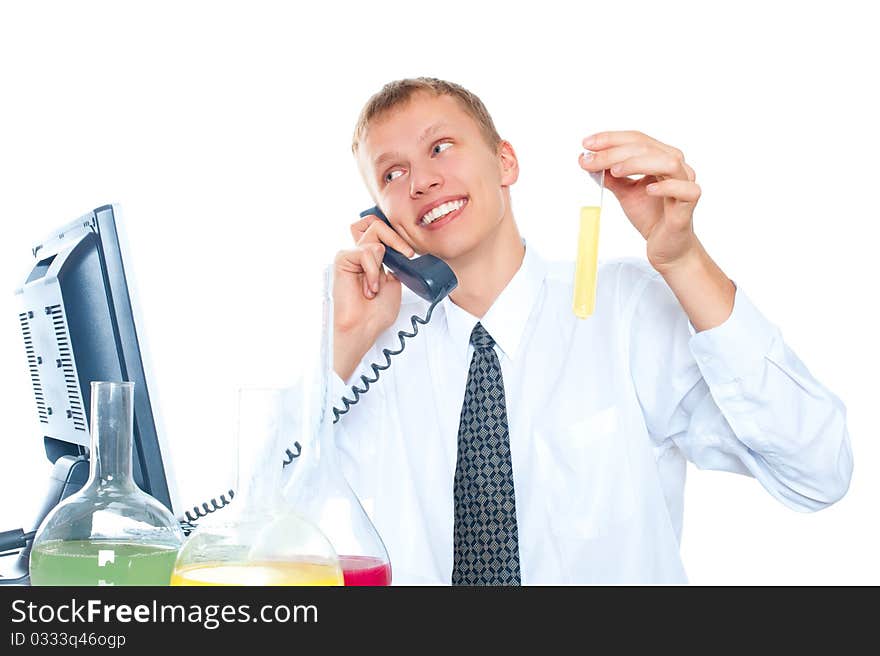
(423, 180)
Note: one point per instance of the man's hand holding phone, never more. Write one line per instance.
(366, 298)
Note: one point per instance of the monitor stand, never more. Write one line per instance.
(68, 475)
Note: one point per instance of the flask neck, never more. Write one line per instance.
(112, 424)
(262, 419)
(324, 443)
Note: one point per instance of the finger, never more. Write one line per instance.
(379, 231)
(605, 140)
(662, 165)
(681, 190)
(692, 175)
(604, 159)
(354, 262)
(619, 185)
(377, 251)
(360, 262)
(370, 260)
(359, 227)
(349, 261)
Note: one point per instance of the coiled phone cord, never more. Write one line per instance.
(402, 335)
(214, 504)
(208, 507)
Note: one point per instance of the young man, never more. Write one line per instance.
(514, 443)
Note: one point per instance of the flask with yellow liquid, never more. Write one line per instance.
(259, 540)
(588, 247)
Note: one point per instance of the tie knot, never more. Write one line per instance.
(480, 338)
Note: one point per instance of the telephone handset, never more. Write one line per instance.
(427, 276)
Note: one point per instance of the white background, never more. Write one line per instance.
(223, 131)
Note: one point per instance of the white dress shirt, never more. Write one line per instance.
(603, 414)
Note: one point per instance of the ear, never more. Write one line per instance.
(509, 164)
(362, 161)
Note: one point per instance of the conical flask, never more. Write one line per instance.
(317, 487)
(110, 532)
(257, 540)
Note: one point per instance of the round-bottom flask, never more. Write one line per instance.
(110, 532)
(317, 487)
(256, 540)
(319, 491)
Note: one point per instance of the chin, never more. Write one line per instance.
(454, 249)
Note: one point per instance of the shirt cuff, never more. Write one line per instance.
(737, 348)
(338, 387)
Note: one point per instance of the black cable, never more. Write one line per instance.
(290, 455)
(208, 507)
(22, 580)
(10, 543)
(188, 524)
(192, 516)
(17, 539)
(402, 336)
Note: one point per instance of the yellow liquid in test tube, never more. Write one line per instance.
(587, 258)
(258, 574)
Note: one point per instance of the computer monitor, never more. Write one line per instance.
(78, 326)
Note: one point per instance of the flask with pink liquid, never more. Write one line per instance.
(317, 488)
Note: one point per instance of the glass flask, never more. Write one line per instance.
(256, 540)
(317, 487)
(110, 532)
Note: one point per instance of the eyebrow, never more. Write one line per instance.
(426, 134)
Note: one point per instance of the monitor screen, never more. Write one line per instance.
(77, 323)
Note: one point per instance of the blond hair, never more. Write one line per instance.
(398, 93)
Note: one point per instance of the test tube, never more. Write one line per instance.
(588, 246)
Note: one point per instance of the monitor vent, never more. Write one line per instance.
(32, 365)
(75, 409)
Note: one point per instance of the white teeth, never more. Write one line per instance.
(442, 210)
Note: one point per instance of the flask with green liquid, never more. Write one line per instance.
(110, 532)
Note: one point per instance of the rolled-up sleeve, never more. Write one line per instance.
(737, 398)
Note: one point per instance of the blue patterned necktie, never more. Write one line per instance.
(486, 540)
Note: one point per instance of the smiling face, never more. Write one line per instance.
(430, 169)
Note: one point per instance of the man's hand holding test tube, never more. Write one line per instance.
(660, 205)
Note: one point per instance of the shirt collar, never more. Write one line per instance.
(506, 319)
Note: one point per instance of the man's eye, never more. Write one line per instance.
(440, 147)
(391, 175)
